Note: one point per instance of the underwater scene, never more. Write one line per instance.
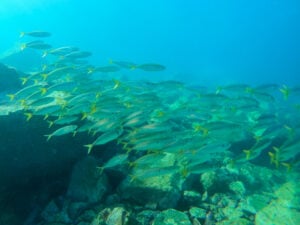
(149, 113)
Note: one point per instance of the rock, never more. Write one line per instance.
(112, 199)
(288, 195)
(284, 209)
(75, 209)
(225, 208)
(162, 190)
(87, 184)
(53, 214)
(237, 187)
(195, 222)
(231, 213)
(258, 202)
(57, 223)
(245, 207)
(277, 215)
(50, 210)
(164, 196)
(262, 178)
(146, 216)
(208, 179)
(197, 213)
(238, 221)
(191, 197)
(9, 79)
(87, 216)
(118, 216)
(84, 223)
(115, 216)
(172, 217)
(220, 200)
(27, 60)
(216, 181)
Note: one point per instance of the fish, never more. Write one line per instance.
(155, 144)
(124, 64)
(36, 45)
(40, 102)
(288, 150)
(198, 168)
(198, 126)
(40, 34)
(104, 138)
(285, 90)
(257, 149)
(151, 67)
(148, 159)
(63, 86)
(62, 131)
(54, 74)
(77, 54)
(153, 172)
(61, 51)
(238, 88)
(66, 120)
(115, 161)
(46, 110)
(26, 91)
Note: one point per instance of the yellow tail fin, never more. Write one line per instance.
(11, 96)
(89, 147)
(28, 116)
(48, 136)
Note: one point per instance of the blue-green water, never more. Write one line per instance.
(199, 41)
(161, 112)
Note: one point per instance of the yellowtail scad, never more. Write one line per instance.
(199, 126)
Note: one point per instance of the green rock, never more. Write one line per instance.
(232, 213)
(197, 213)
(192, 197)
(237, 187)
(172, 217)
(258, 202)
(284, 210)
(163, 191)
(146, 216)
(208, 180)
(239, 221)
(275, 214)
(289, 195)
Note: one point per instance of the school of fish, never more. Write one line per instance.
(202, 128)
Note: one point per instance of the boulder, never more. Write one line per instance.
(87, 183)
(172, 217)
(163, 190)
(9, 79)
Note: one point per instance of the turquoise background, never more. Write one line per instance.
(200, 42)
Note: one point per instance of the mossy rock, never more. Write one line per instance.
(172, 217)
(284, 210)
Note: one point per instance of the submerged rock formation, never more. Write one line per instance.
(9, 79)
